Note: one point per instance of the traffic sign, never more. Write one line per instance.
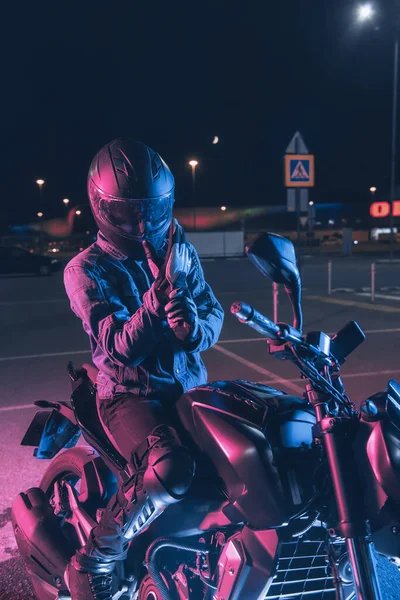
(299, 170)
(297, 145)
(304, 221)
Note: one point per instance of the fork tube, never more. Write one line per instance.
(351, 519)
(334, 435)
(362, 563)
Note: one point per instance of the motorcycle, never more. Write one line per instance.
(292, 496)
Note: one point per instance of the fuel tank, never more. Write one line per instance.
(377, 453)
(259, 440)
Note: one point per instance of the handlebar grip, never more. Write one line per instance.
(249, 315)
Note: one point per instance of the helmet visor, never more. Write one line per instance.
(137, 219)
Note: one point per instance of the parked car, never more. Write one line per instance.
(14, 259)
(336, 239)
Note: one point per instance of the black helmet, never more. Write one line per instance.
(131, 193)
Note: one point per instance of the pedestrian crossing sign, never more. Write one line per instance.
(299, 170)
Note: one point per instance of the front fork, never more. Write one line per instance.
(352, 525)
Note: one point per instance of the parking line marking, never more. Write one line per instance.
(381, 296)
(344, 376)
(237, 340)
(18, 407)
(275, 379)
(394, 330)
(233, 341)
(264, 339)
(257, 368)
(376, 307)
(45, 355)
(22, 302)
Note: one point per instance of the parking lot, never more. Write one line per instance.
(39, 334)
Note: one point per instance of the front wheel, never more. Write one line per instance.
(149, 591)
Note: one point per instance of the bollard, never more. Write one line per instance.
(275, 294)
(373, 282)
(330, 278)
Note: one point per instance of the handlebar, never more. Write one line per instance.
(314, 362)
(249, 315)
(282, 332)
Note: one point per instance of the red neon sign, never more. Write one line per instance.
(379, 210)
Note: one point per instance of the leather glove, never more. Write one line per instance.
(177, 263)
(182, 317)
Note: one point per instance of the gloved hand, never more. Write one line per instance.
(177, 264)
(182, 317)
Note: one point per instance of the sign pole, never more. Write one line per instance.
(299, 176)
(297, 192)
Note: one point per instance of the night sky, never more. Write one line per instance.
(174, 74)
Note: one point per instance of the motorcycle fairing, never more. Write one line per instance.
(377, 448)
(247, 565)
(383, 449)
(226, 420)
(50, 431)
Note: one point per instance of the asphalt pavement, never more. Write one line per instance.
(39, 334)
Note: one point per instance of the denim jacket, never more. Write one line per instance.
(133, 348)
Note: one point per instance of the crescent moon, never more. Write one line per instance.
(215, 140)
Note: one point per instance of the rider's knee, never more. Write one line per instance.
(170, 465)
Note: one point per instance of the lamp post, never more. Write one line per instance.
(366, 13)
(193, 163)
(40, 183)
(66, 202)
(40, 217)
(393, 152)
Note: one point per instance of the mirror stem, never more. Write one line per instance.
(295, 300)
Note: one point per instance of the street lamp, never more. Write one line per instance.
(365, 13)
(78, 212)
(223, 208)
(40, 215)
(66, 201)
(193, 163)
(372, 190)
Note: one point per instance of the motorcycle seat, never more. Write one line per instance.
(85, 407)
(91, 371)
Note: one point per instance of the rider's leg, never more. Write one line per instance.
(163, 469)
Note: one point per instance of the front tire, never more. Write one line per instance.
(149, 591)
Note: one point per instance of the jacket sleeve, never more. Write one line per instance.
(125, 338)
(209, 310)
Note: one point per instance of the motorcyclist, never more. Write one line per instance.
(142, 298)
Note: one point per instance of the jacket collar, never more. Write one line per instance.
(109, 248)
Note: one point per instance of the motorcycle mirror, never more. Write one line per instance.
(275, 257)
